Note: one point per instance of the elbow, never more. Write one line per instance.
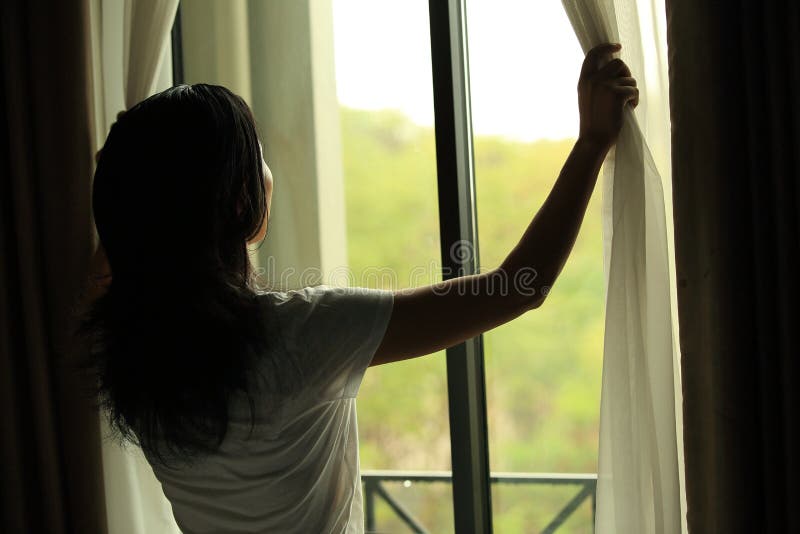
(535, 301)
(540, 296)
(527, 289)
(538, 292)
(530, 300)
(535, 304)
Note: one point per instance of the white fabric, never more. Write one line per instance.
(299, 470)
(147, 30)
(639, 480)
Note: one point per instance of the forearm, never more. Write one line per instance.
(548, 240)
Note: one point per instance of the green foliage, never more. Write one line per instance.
(543, 369)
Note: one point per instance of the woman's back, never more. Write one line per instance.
(175, 327)
(297, 469)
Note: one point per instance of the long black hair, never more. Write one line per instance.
(178, 191)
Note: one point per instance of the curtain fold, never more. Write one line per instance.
(638, 487)
(147, 29)
(130, 44)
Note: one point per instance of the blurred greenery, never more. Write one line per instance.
(543, 369)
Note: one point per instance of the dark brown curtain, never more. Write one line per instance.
(49, 436)
(735, 79)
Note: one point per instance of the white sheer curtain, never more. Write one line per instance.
(639, 472)
(147, 31)
(129, 54)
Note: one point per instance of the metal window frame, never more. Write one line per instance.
(458, 228)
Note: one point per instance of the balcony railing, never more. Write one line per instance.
(373, 488)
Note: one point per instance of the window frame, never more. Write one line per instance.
(458, 227)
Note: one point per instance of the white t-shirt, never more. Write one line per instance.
(299, 470)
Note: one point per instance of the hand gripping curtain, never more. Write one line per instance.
(638, 485)
(129, 47)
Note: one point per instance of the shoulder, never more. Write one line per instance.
(333, 332)
(326, 308)
(323, 295)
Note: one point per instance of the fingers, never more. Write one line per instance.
(624, 90)
(613, 72)
(603, 49)
(625, 80)
(615, 67)
(596, 56)
(626, 94)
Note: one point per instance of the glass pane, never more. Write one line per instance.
(342, 92)
(544, 368)
(384, 86)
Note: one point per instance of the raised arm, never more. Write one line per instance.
(428, 319)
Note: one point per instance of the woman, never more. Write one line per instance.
(243, 401)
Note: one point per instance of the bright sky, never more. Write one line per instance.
(524, 61)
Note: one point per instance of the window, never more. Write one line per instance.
(544, 369)
(389, 157)
(368, 177)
